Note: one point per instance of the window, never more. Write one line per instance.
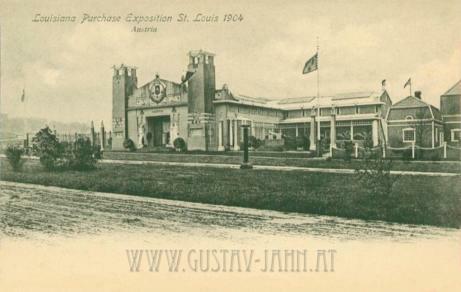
(436, 135)
(408, 135)
(409, 117)
(357, 110)
(455, 135)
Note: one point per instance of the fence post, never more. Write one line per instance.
(384, 150)
(413, 150)
(103, 136)
(356, 146)
(444, 149)
(93, 134)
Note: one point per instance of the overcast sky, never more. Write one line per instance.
(66, 68)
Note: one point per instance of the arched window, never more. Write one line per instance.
(409, 117)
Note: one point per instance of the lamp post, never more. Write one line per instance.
(245, 164)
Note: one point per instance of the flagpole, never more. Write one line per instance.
(318, 95)
(410, 88)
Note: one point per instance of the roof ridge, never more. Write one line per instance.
(451, 88)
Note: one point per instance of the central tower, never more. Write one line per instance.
(201, 93)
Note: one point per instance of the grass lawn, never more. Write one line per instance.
(233, 158)
(418, 200)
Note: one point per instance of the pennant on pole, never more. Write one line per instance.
(311, 64)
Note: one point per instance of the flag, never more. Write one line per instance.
(407, 83)
(311, 64)
(23, 96)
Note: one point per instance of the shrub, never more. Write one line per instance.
(348, 149)
(179, 144)
(82, 157)
(129, 144)
(254, 142)
(97, 153)
(374, 174)
(407, 155)
(13, 154)
(289, 143)
(48, 148)
(299, 142)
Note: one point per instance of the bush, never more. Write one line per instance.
(82, 157)
(13, 154)
(48, 148)
(129, 144)
(179, 144)
(374, 174)
(407, 155)
(254, 142)
(348, 149)
(97, 153)
(289, 143)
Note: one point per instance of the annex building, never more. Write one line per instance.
(209, 118)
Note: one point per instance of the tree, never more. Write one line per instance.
(13, 154)
(83, 156)
(374, 174)
(46, 145)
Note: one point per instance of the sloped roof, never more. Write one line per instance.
(410, 101)
(454, 90)
(343, 99)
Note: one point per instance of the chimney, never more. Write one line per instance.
(418, 94)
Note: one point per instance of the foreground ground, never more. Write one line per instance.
(415, 199)
(70, 240)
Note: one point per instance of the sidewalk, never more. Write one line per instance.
(260, 167)
(268, 167)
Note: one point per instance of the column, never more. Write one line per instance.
(220, 136)
(375, 132)
(236, 137)
(333, 130)
(231, 133)
(352, 131)
(312, 137)
(433, 134)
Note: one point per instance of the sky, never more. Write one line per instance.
(65, 68)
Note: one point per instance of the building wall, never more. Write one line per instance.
(450, 107)
(424, 132)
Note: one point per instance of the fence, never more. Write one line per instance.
(412, 152)
(101, 139)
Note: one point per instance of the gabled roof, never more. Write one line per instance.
(410, 101)
(455, 89)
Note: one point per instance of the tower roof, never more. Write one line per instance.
(195, 53)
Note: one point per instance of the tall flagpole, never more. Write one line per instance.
(410, 88)
(318, 95)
